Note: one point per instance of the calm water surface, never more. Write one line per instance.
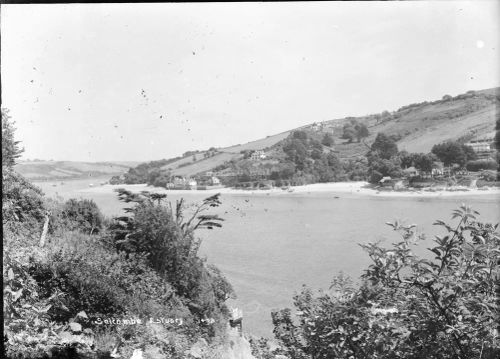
(271, 245)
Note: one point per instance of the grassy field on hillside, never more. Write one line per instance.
(419, 127)
(224, 154)
(47, 170)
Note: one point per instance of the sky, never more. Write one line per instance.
(140, 82)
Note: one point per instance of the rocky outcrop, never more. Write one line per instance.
(236, 347)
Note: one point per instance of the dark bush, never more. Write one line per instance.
(479, 165)
(407, 306)
(116, 180)
(22, 202)
(83, 215)
(100, 281)
(167, 240)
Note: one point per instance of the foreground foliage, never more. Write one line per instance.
(407, 306)
(167, 240)
(57, 296)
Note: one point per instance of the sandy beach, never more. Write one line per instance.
(354, 188)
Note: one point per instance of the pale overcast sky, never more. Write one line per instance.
(99, 82)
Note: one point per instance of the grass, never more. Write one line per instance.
(420, 127)
(40, 170)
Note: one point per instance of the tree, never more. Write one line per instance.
(163, 234)
(407, 307)
(83, 215)
(380, 167)
(22, 202)
(425, 162)
(316, 154)
(384, 146)
(116, 180)
(328, 140)
(356, 168)
(497, 141)
(469, 153)
(451, 152)
(296, 152)
(407, 159)
(479, 165)
(10, 148)
(497, 134)
(361, 131)
(300, 135)
(349, 132)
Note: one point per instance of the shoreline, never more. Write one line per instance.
(352, 188)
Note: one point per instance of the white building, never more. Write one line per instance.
(257, 155)
(214, 181)
(179, 181)
(192, 183)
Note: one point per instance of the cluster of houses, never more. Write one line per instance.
(423, 179)
(202, 182)
(482, 147)
(258, 155)
(439, 171)
(322, 127)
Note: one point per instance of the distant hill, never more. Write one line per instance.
(50, 170)
(187, 167)
(419, 126)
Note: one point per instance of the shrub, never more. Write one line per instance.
(385, 146)
(10, 148)
(479, 165)
(407, 306)
(22, 202)
(167, 240)
(29, 329)
(451, 152)
(83, 215)
(116, 180)
(328, 140)
(489, 176)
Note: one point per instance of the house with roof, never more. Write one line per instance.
(316, 126)
(214, 181)
(411, 172)
(192, 183)
(257, 155)
(179, 181)
(394, 183)
(438, 169)
(386, 181)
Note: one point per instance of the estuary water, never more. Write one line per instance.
(270, 245)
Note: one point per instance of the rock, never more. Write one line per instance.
(198, 348)
(152, 352)
(137, 354)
